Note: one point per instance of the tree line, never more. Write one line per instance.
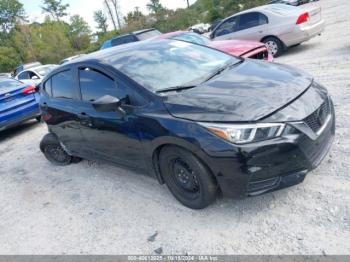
(58, 37)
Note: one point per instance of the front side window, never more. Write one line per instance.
(227, 27)
(95, 84)
(62, 85)
(167, 63)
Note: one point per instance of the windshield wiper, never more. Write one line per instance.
(222, 69)
(175, 88)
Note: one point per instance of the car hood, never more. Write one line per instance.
(235, 47)
(248, 92)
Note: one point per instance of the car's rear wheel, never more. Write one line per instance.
(274, 45)
(187, 178)
(54, 152)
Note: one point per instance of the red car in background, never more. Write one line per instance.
(246, 49)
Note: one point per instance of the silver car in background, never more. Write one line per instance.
(279, 26)
(35, 75)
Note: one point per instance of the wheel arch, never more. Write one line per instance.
(186, 146)
(265, 37)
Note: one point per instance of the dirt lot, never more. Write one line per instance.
(94, 208)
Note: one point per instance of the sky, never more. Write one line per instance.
(86, 8)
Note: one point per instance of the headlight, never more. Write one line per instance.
(241, 134)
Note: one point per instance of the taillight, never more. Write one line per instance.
(303, 18)
(28, 90)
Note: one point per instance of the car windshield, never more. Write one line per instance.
(148, 34)
(43, 71)
(193, 38)
(158, 66)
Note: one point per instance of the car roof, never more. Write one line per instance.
(279, 9)
(33, 69)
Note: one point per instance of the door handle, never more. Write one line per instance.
(44, 106)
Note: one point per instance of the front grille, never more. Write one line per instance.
(263, 55)
(318, 118)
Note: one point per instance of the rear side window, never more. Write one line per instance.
(95, 84)
(248, 20)
(62, 85)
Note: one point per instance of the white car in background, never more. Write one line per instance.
(35, 75)
(279, 26)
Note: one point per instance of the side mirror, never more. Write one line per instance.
(212, 35)
(108, 104)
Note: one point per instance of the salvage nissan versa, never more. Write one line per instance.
(201, 121)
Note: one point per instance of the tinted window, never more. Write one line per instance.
(123, 40)
(251, 20)
(167, 63)
(23, 76)
(227, 27)
(94, 84)
(62, 85)
(148, 35)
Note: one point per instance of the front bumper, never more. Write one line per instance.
(271, 165)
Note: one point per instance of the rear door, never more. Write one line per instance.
(59, 104)
(251, 26)
(15, 101)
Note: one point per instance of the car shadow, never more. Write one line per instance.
(299, 48)
(18, 130)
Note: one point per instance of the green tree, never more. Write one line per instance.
(79, 32)
(136, 20)
(55, 8)
(9, 59)
(155, 6)
(10, 12)
(101, 21)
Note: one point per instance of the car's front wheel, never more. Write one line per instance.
(274, 45)
(54, 152)
(187, 178)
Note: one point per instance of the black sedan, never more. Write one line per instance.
(199, 120)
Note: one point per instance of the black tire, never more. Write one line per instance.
(54, 152)
(274, 45)
(187, 178)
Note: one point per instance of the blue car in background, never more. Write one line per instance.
(131, 37)
(18, 102)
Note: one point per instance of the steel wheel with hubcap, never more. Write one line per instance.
(54, 152)
(187, 178)
(274, 46)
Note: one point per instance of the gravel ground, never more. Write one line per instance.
(94, 208)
